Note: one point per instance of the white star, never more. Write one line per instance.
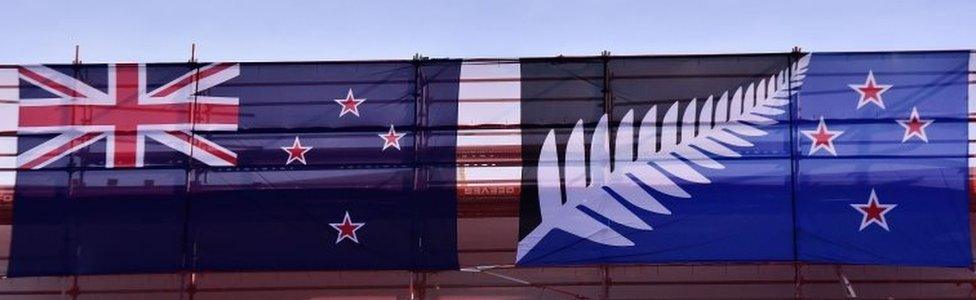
(822, 138)
(391, 139)
(296, 152)
(870, 91)
(873, 212)
(350, 104)
(915, 127)
(347, 229)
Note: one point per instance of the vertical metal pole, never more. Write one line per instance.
(608, 110)
(418, 285)
(797, 280)
(794, 167)
(191, 289)
(75, 289)
(189, 251)
(418, 282)
(605, 283)
(607, 95)
(420, 126)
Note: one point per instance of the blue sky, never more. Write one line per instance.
(150, 31)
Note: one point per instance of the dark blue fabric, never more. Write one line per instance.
(40, 232)
(926, 180)
(134, 225)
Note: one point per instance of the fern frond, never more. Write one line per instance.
(693, 140)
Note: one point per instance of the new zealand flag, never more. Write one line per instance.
(128, 168)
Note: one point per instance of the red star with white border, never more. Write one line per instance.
(296, 152)
(350, 104)
(870, 91)
(347, 229)
(822, 138)
(391, 139)
(873, 212)
(915, 127)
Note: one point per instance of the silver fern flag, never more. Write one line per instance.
(725, 158)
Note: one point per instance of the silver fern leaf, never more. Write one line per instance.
(732, 119)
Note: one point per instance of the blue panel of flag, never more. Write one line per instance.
(882, 169)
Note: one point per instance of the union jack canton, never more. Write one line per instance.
(126, 114)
